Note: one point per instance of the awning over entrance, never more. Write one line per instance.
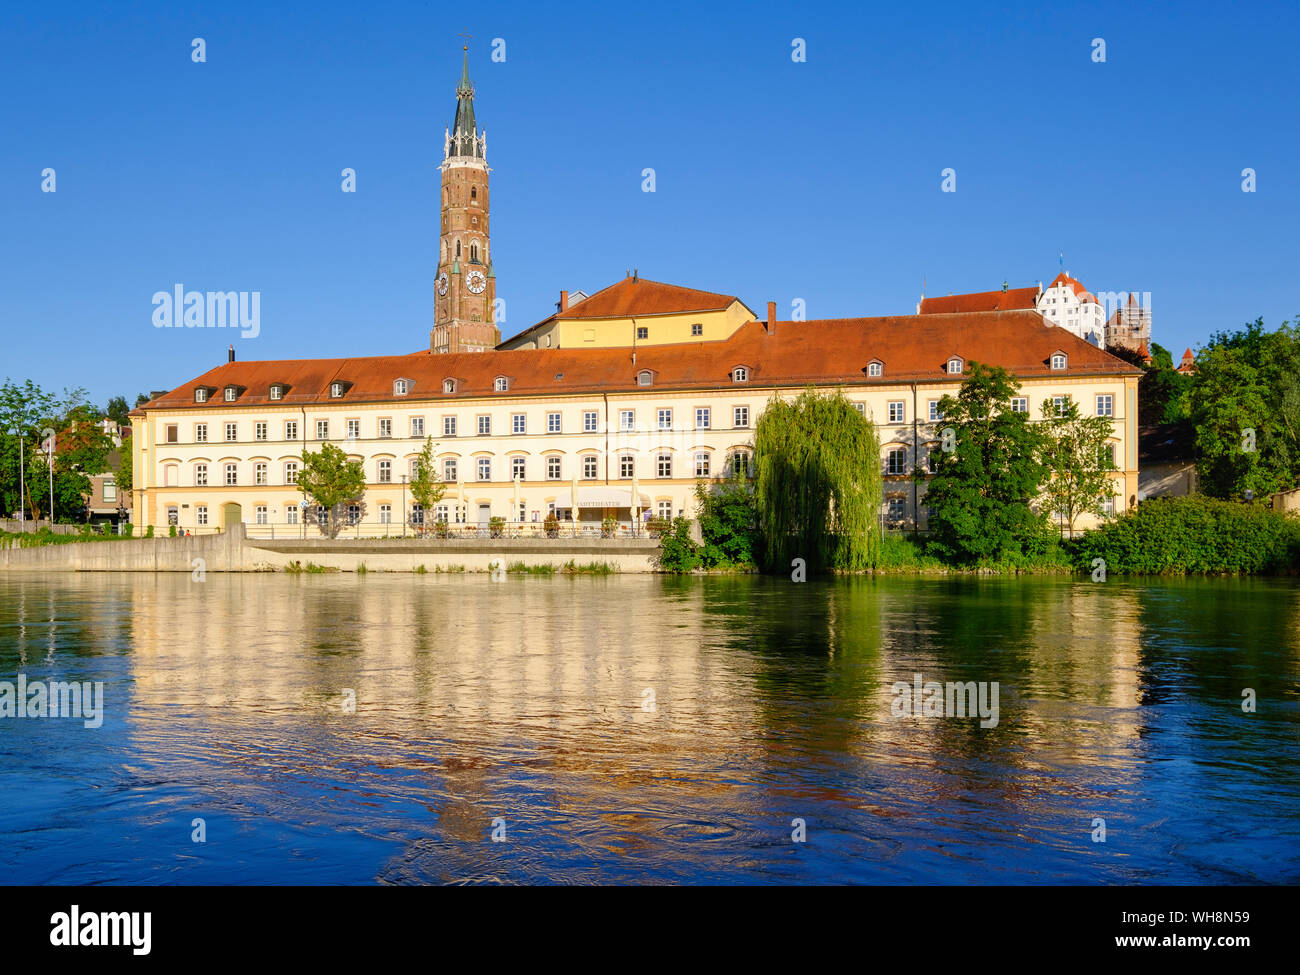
(598, 496)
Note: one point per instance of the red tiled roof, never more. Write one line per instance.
(981, 301)
(1064, 280)
(825, 352)
(639, 296)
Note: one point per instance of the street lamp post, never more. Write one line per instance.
(404, 476)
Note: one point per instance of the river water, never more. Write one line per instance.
(649, 729)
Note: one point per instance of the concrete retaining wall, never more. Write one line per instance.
(231, 552)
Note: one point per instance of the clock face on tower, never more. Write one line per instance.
(476, 282)
(442, 283)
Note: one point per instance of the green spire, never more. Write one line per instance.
(465, 140)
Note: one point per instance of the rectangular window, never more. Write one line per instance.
(1106, 457)
(173, 433)
(590, 466)
(1059, 402)
(740, 463)
(385, 426)
(200, 475)
(896, 412)
(518, 467)
(1020, 404)
(861, 409)
(232, 475)
(518, 423)
(449, 469)
(932, 408)
(259, 431)
(1108, 505)
(417, 426)
(484, 426)
(702, 464)
(664, 465)
(291, 514)
(231, 432)
(259, 514)
(626, 466)
(259, 473)
(322, 429)
(552, 468)
(449, 426)
(895, 509)
(291, 472)
(173, 515)
(665, 419)
(201, 514)
(552, 423)
(385, 472)
(354, 430)
(590, 420)
(703, 417)
(627, 420)
(664, 509)
(697, 329)
(385, 514)
(1106, 405)
(485, 468)
(290, 429)
(354, 513)
(740, 417)
(642, 332)
(896, 461)
(200, 433)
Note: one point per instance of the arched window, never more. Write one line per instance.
(644, 377)
(875, 369)
(954, 365)
(473, 251)
(501, 384)
(458, 249)
(449, 385)
(740, 374)
(1058, 360)
(473, 192)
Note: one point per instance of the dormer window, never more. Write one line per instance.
(644, 378)
(955, 365)
(200, 395)
(449, 385)
(277, 391)
(740, 374)
(336, 390)
(1058, 360)
(401, 387)
(501, 384)
(875, 368)
(231, 394)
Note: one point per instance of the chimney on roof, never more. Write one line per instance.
(230, 356)
(635, 275)
(770, 327)
(564, 300)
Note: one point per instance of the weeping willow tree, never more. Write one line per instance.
(817, 484)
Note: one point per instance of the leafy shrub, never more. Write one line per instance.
(677, 551)
(496, 525)
(551, 525)
(1179, 536)
(148, 532)
(728, 523)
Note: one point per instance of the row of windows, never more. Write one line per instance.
(896, 412)
(450, 425)
(701, 465)
(896, 459)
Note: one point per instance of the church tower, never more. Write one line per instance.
(466, 285)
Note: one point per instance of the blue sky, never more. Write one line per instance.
(775, 180)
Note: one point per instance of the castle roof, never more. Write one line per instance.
(981, 301)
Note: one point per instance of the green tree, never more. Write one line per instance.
(727, 514)
(985, 492)
(1245, 403)
(817, 484)
(1077, 451)
(677, 551)
(427, 489)
(330, 479)
(118, 411)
